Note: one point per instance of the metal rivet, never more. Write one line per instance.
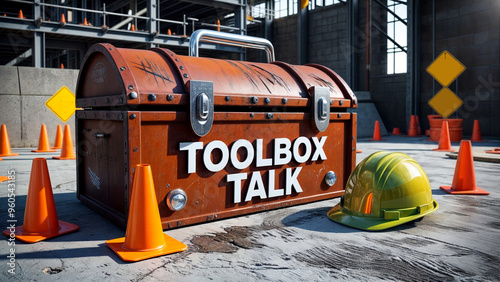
(168, 225)
(355, 101)
(267, 100)
(227, 98)
(284, 100)
(179, 223)
(110, 48)
(215, 216)
(121, 116)
(132, 95)
(136, 149)
(133, 116)
(185, 75)
(353, 138)
(341, 102)
(339, 115)
(176, 59)
(151, 97)
(107, 100)
(331, 102)
(269, 115)
(208, 218)
(121, 100)
(123, 68)
(181, 67)
(252, 115)
(170, 97)
(254, 100)
(197, 203)
(330, 178)
(130, 87)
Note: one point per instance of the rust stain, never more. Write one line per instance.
(154, 70)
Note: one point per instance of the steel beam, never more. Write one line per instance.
(224, 4)
(240, 22)
(152, 23)
(38, 37)
(73, 30)
(20, 58)
(413, 59)
(352, 59)
(302, 34)
(128, 20)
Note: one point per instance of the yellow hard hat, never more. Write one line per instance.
(384, 190)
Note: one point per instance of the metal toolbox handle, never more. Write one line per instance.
(231, 39)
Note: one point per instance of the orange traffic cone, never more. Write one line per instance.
(444, 139)
(132, 27)
(218, 25)
(43, 142)
(464, 179)
(413, 130)
(62, 21)
(59, 137)
(62, 66)
(376, 132)
(85, 21)
(67, 152)
(3, 178)
(5, 150)
(40, 216)
(20, 15)
(419, 130)
(493, 151)
(396, 131)
(169, 32)
(476, 132)
(144, 237)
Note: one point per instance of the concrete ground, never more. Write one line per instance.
(460, 241)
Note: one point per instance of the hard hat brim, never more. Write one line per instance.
(340, 215)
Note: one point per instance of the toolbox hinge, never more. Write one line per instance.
(201, 106)
(320, 107)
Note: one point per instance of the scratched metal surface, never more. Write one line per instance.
(109, 75)
(460, 241)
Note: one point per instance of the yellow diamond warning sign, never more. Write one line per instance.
(445, 102)
(445, 68)
(62, 103)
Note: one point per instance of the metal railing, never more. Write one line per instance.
(104, 14)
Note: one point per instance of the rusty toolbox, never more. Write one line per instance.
(223, 138)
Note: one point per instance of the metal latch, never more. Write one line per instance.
(201, 106)
(320, 107)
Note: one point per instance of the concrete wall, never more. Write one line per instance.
(285, 39)
(23, 95)
(470, 31)
(328, 38)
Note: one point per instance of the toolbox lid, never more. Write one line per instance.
(113, 76)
